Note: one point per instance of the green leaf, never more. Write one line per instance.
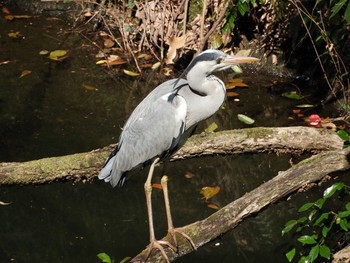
(314, 253)
(289, 226)
(347, 14)
(347, 206)
(336, 8)
(245, 119)
(343, 135)
(343, 214)
(292, 95)
(332, 189)
(320, 202)
(304, 260)
(302, 219)
(322, 217)
(306, 239)
(325, 252)
(290, 254)
(104, 257)
(311, 215)
(305, 207)
(325, 230)
(344, 224)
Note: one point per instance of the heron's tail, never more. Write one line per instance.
(108, 174)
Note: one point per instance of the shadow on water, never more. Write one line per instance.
(50, 113)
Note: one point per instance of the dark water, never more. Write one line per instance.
(50, 113)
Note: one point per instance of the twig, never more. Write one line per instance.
(213, 28)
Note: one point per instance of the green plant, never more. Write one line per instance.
(318, 226)
(326, 28)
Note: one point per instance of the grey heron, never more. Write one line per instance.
(163, 121)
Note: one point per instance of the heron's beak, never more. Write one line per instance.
(233, 60)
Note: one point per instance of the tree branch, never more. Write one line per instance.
(300, 176)
(85, 166)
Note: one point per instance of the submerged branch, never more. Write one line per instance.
(85, 166)
(298, 177)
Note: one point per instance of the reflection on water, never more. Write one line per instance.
(49, 113)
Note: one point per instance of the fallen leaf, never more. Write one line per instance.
(3, 203)
(174, 44)
(314, 120)
(328, 125)
(215, 41)
(144, 56)
(102, 61)
(22, 16)
(12, 17)
(25, 73)
(292, 95)
(89, 87)
(108, 43)
(305, 106)
(9, 17)
(296, 111)
(157, 186)
(232, 94)
(244, 53)
(189, 175)
(14, 34)
(209, 192)
(43, 52)
(5, 62)
(58, 54)
(131, 73)
(235, 83)
(213, 206)
(211, 128)
(167, 71)
(116, 62)
(5, 10)
(156, 65)
(245, 119)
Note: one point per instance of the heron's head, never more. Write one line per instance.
(213, 60)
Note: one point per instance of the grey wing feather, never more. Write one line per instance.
(153, 129)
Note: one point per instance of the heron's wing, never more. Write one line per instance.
(153, 129)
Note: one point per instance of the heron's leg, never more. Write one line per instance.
(171, 230)
(154, 244)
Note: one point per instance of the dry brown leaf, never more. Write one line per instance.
(89, 87)
(25, 73)
(232, 94)
(213, 206)
(108, 43)
(235, 83)
(174, 44)
(157, 186)
(209, 192)
(189, 175)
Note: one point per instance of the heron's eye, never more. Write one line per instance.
(219, 60)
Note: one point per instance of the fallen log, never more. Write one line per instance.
(85, 166)
(300, 176)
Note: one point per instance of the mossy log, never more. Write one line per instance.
(85, 166)
(300, 176)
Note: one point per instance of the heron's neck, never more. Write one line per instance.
(204, 96)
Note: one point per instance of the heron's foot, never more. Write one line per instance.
(172, 232)
(159, 244)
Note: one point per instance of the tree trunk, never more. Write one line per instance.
(300, 176)
(85, 166)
